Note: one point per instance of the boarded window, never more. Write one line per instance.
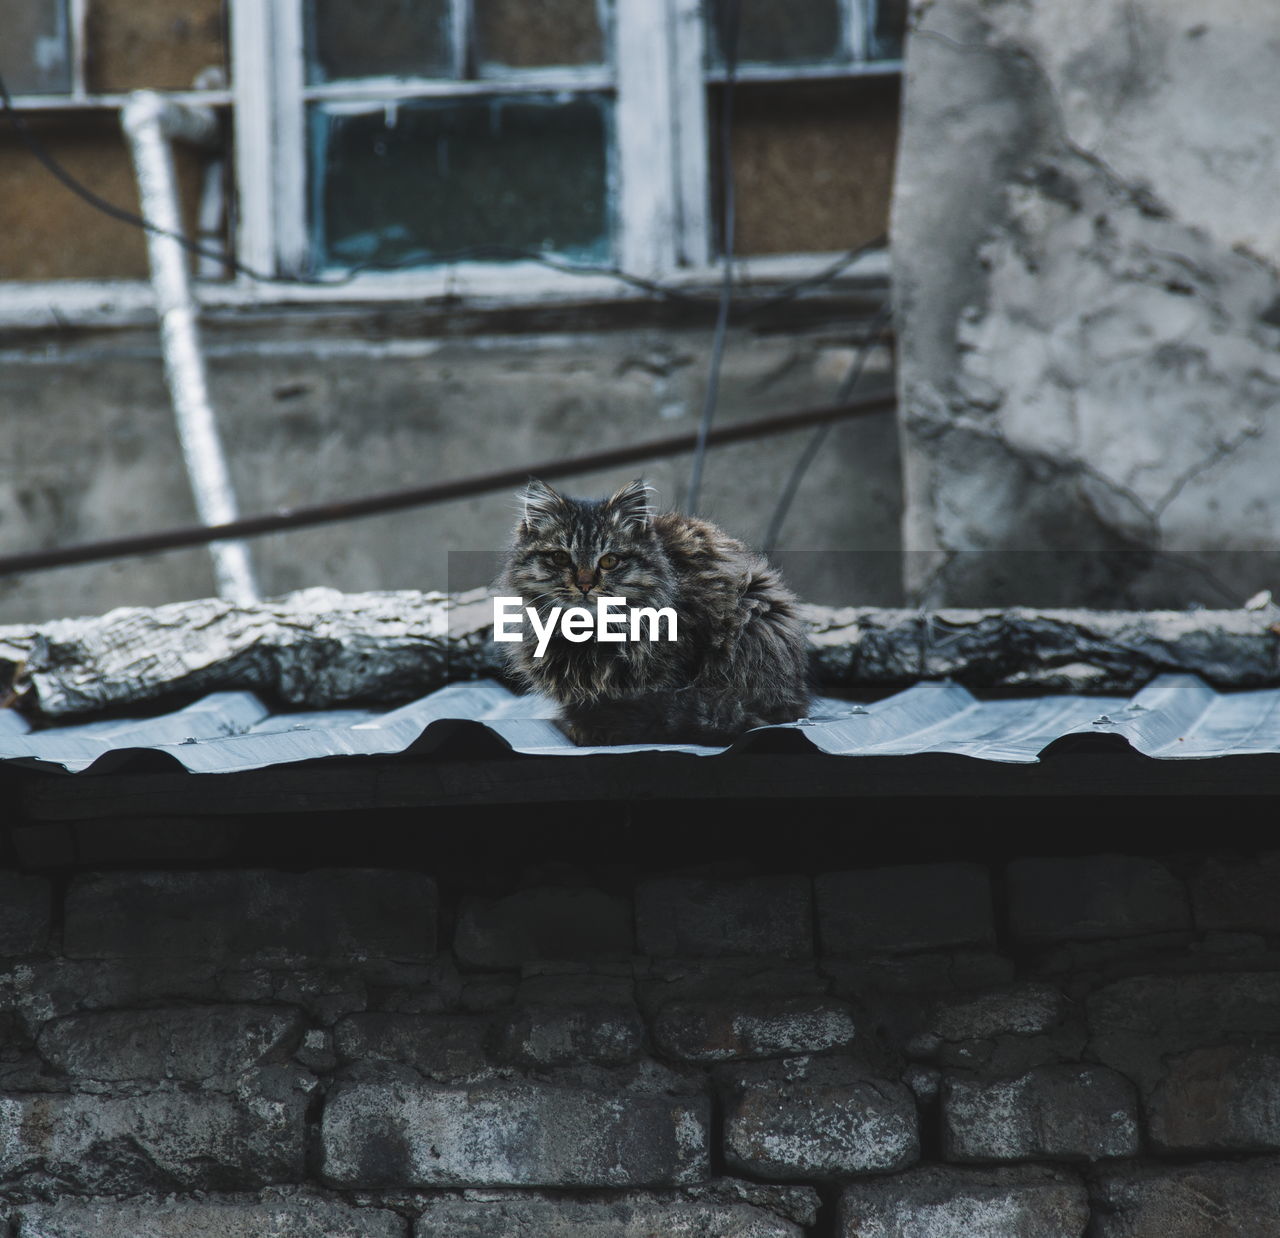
(379, 38)
(425, 179)
(154, 44)
(46, 232)
(35, 51)
(812, 163)
(519, 35)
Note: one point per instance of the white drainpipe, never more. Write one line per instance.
(150, 124)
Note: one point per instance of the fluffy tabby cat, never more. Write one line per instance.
(740, 659)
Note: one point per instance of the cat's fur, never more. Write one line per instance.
(741, 657)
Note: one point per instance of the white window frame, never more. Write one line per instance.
(663, 211)
(663, 193)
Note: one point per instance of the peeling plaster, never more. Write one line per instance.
(1087, 365)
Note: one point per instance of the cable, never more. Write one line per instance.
(727, 13)
(819, 436)
(790, 291)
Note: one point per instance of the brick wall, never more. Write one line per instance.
(1033, 1049)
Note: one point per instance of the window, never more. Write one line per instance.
(410, 134)
(386, 138)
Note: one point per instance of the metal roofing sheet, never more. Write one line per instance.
(1174, 717)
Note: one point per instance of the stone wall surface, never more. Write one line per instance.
(1087, 275)
(1031, 1048)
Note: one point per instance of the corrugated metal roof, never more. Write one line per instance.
(1176, 717)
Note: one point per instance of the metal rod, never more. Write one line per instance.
(442, 492)
(149, 123)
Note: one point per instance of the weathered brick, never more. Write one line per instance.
(547, 1035)
(1137, 1022)
(753, 1028)
(1027, 1010)
(440, 1046)
(1224, 1200)
(1008, 1202)
(631, 1216)
(315, 1050)
(1002, 1033)
(1058, 1112)
(1238, 895)
(908, 907)
(1223, 1099)
(710, 917)
(186, 1043)
(332, 916)
(24, 913)
(817, 1118)
(160, 1141)
(400, 1132)
(297, 1216)
(550, 922)
(1052, 900)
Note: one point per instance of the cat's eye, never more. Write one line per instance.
(561, 558)
(608, 561)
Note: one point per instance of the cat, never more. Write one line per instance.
(740, 658)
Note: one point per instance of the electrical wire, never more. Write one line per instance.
(789, 292)
(727, 15)
(810, 453)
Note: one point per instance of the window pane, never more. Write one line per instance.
(34, 52)
(889, 29)
(424, 179)
(378, 38)
(776, 31)
(812, 162)
(518, 34)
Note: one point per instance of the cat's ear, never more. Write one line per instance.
(541, 503)
(630, 507)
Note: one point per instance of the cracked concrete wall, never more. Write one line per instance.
(1086, 253)
(314, 411)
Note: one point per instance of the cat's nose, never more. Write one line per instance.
(586, 578)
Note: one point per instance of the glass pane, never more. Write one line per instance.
(812, 163)
(888, 30)
(34, 51)
(775, 31)
(153, 44)
(519, 35)
(425, 179)
(378, 38)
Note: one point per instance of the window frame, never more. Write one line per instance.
(662, 207)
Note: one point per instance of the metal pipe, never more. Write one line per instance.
(441, 492)
(150, 123)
